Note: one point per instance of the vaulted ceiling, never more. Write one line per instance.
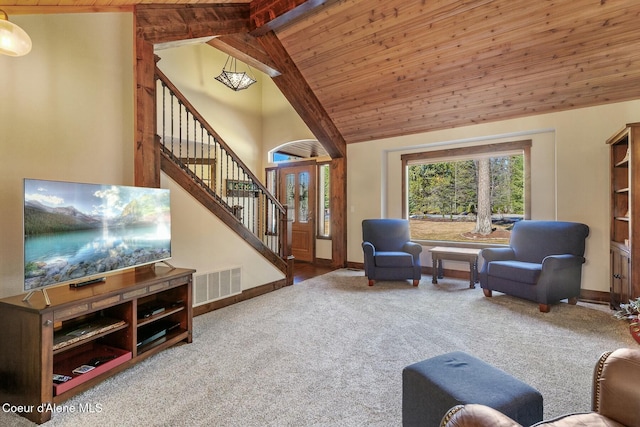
(371, 69)
(388, 68)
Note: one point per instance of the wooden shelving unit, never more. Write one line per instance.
(624, 204)
(105, 324)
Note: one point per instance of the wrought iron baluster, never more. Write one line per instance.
(202, 161)
(172, 116)
(164, 114)
(186, 125)
(180, 132)
(213, 168)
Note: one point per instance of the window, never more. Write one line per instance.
(324, 197)
(280, 157)
(467, 195)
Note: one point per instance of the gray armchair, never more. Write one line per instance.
(388, 252)
(543, 263)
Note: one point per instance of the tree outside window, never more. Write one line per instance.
(324, 200)
(467, 195)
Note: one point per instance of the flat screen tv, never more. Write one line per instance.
(76, 233)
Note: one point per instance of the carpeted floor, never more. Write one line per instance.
(330, 351)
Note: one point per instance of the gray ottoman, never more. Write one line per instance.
(431, 387)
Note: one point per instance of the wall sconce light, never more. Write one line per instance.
(14, 41)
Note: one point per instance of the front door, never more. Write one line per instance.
(298, 193)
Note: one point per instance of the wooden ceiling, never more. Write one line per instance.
(386, 68)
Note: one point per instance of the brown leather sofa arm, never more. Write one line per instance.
(616, 386)
(472, 415)
(615, 399)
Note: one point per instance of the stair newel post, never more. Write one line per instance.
(285, 243)
(285, 235)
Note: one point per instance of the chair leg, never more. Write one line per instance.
(416, 282)
(487, 292)
(371, 282)
(545, 308)
(573, 301)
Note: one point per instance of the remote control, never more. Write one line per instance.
(97, 361)
(83, 369)
(59, 379)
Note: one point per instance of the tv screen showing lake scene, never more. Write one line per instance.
(76, 231)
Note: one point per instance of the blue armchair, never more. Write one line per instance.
(543, 263)
(388, 252)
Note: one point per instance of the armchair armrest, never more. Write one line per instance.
(557, 262)
(412, 248)
(368, 248)
(497, 254)
(369, 253)
(473, 415)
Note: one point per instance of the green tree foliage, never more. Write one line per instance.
(326, 171)
(507, 181)
(447, 188)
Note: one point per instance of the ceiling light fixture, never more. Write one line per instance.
(234, 79)
(14, 41)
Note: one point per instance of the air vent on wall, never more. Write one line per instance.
(212, 286)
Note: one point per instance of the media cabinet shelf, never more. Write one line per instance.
(168, 312)
(169, 339)
(75, 341)
(99, 321)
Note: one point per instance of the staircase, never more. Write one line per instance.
(197, 158)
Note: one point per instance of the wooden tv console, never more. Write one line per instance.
(114, 325)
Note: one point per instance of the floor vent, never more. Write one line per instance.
(208, 287)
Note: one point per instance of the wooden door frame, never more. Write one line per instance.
(313, 166)
(338, 206)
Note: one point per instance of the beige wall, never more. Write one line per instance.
(205, 243)
(569, 173)
(201, 241)
(252, 121)
(67, 113)
(236, 116)
(281, 124)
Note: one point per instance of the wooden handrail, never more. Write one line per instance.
(191, 109)
(253, 228)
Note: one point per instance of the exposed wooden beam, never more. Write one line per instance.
(44, 10)
(338, 182)
(160, 23)
(294, 87)
(268, 15)
(147, 156)
(246, 48)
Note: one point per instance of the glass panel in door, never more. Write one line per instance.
(303, 206)
(290, 201)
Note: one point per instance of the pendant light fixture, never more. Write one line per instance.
(14, 41)
(234, 79)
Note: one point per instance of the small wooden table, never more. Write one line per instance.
(455, 254)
